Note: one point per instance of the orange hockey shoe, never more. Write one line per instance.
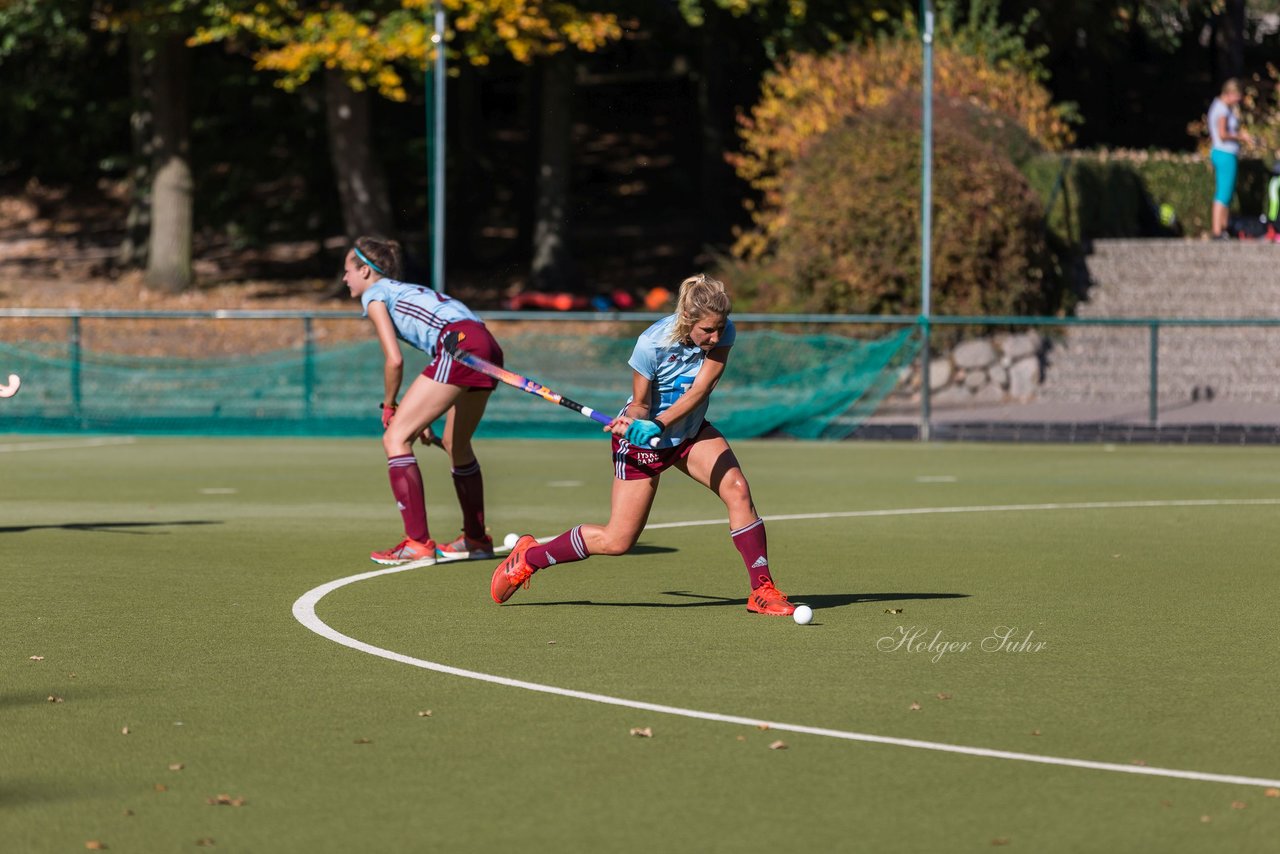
(408, 551)
(767, 599)
(513, 572)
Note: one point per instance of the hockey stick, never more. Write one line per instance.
(15, 382)
(450, 343)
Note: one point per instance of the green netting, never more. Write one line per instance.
(807, 386)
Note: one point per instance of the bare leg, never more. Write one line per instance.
(461, 423)
(712, 463)
(424, 402)
(628, 512)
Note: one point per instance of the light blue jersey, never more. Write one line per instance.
(1219, 110)
(671, 367)
(418, 313)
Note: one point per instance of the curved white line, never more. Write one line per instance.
(304, 611)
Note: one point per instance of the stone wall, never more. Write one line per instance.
(1002, 368)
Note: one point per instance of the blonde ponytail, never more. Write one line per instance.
(699, 296)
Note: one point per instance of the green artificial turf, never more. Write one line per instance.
(156, 579)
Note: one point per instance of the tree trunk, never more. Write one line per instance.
(362, 185)
(552, 267)
(133, 249)
(1228, 40)
(169, 258)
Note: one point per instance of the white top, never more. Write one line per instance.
(1217, 110)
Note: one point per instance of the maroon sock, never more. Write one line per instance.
(754, 548)
(469, 484)
(406, 486)
(566, 548)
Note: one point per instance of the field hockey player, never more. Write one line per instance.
(676, 364)
(418, 315)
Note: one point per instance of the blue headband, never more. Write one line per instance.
(367, 262)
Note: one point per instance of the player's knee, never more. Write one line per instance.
(736, 492)
(393, 443)
(616, 544)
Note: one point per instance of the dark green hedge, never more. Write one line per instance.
(1118, 194)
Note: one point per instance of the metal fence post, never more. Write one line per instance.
(926, 405)
(74, 354)
(1153, 389)
(308, 365)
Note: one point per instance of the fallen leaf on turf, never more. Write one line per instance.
(742, 738)
(425, 713)
(1238, 805)
(71, 676)
(914, 707)
(893, 610)
(642, 732)
(226, 801)
(128, 812)
(54, 698)
(942, 696)
(37, 658)
(778, 745)
(124, 730)
(1272, 793)
(364, 741)
(1000, 840)
(176, 766)
(1035, 732)
(95, 845)
(161, 787)
(1205, 819)
(205, 843)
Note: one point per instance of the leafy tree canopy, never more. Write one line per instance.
(372, 43)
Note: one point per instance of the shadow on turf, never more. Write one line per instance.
(32, 791)
(817, 601)
(642, 549)
(69, 693)
(102, 527)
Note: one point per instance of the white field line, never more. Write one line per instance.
(990, 508)
(304, 611)
(64, 444)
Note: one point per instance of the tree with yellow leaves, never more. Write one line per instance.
(372, 46)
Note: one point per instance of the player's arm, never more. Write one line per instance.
(637, 409)
(712, 370)
(393, 367)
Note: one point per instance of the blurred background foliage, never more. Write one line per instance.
(776, 138)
